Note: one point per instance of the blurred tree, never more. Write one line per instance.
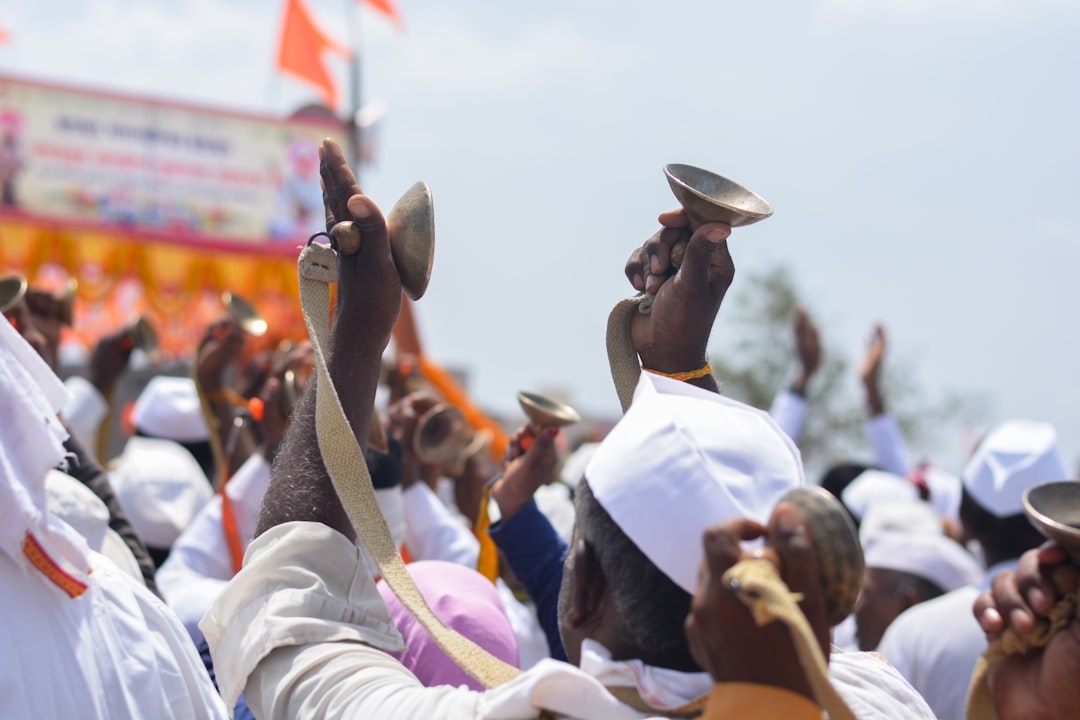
(757, 353)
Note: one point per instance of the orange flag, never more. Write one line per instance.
(301, 50)
(389, 9)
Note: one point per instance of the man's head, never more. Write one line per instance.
(1012, 458)
(681, 460)
(168, 408)
(904, 569)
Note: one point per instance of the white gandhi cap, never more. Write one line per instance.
(683, 459)
(169, 408)
(1015, 456)
(934, 557)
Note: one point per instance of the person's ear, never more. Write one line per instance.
(589, 587)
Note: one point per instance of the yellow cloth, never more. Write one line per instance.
(760, 702)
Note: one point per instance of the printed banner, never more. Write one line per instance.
(181, 173)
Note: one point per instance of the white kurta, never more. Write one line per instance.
(936, 644)
(322, 623)
(199, 564)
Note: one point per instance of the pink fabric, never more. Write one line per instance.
(466, 602)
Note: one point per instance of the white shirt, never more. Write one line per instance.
(199, 564)
(936, 644)
(322, 624)
(85, 409)
(115, 651)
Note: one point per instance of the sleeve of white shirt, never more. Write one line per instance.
(789, 412)
(433, 533)
(321, 624)
(887, 442)
(84, 411)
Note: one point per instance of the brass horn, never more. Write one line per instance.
(244, 313)
(411, 229)
(708, 197)
(544, 412)
(441, 434)
(1054, 510)
(12, 290)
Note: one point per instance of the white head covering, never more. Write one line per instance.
(914, 517)
(169, 408)
(1015, 456)
(936, 558)
(31, 443)
(160, 487)
(683, 459)
(873, 487)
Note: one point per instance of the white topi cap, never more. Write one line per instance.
(160, 487)
(914, 517)
(683, 459)
(169, 408)
(1015, 456)
(873, 487)
(934, 557)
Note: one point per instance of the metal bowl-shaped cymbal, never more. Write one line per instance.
(244, 314)
(441, 434)
(544, 412)
(12, 290)
(708, 197)
(411, 227)
(1054, 510)
(836, 545)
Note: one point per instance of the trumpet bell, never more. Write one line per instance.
(244, 314)
(1054, 510)
(411, 227)
(543, 412)
(442, 433)
(12, 290)
(708, 197)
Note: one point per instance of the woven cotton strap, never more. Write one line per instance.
(345, 464)
(761, 588)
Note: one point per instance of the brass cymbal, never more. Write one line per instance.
(708, 197)
(1054, 510)
(411, 228)
(244, 314)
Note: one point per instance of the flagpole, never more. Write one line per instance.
(355, 96)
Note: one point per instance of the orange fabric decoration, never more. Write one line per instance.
(301, 49)
(389, 9)
(49, 568)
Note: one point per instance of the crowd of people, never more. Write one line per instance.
(211, 569)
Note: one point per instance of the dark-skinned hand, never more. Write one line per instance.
(402, 420)
(808, 347)
(870, 371)
(724, 638)
(368, 278)
(220, 348)
(524, 471)
(675, 335)
(109, 360)
(1040, 684)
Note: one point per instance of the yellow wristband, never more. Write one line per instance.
(687, 375)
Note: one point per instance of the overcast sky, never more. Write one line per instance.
(922, 157)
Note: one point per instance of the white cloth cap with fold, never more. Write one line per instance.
(934, 557)
(683, 459)
(1014, 456)
(915, 517)
(873, 487)
(160, 487)
(168, 407)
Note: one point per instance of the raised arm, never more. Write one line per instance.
(369, 299)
